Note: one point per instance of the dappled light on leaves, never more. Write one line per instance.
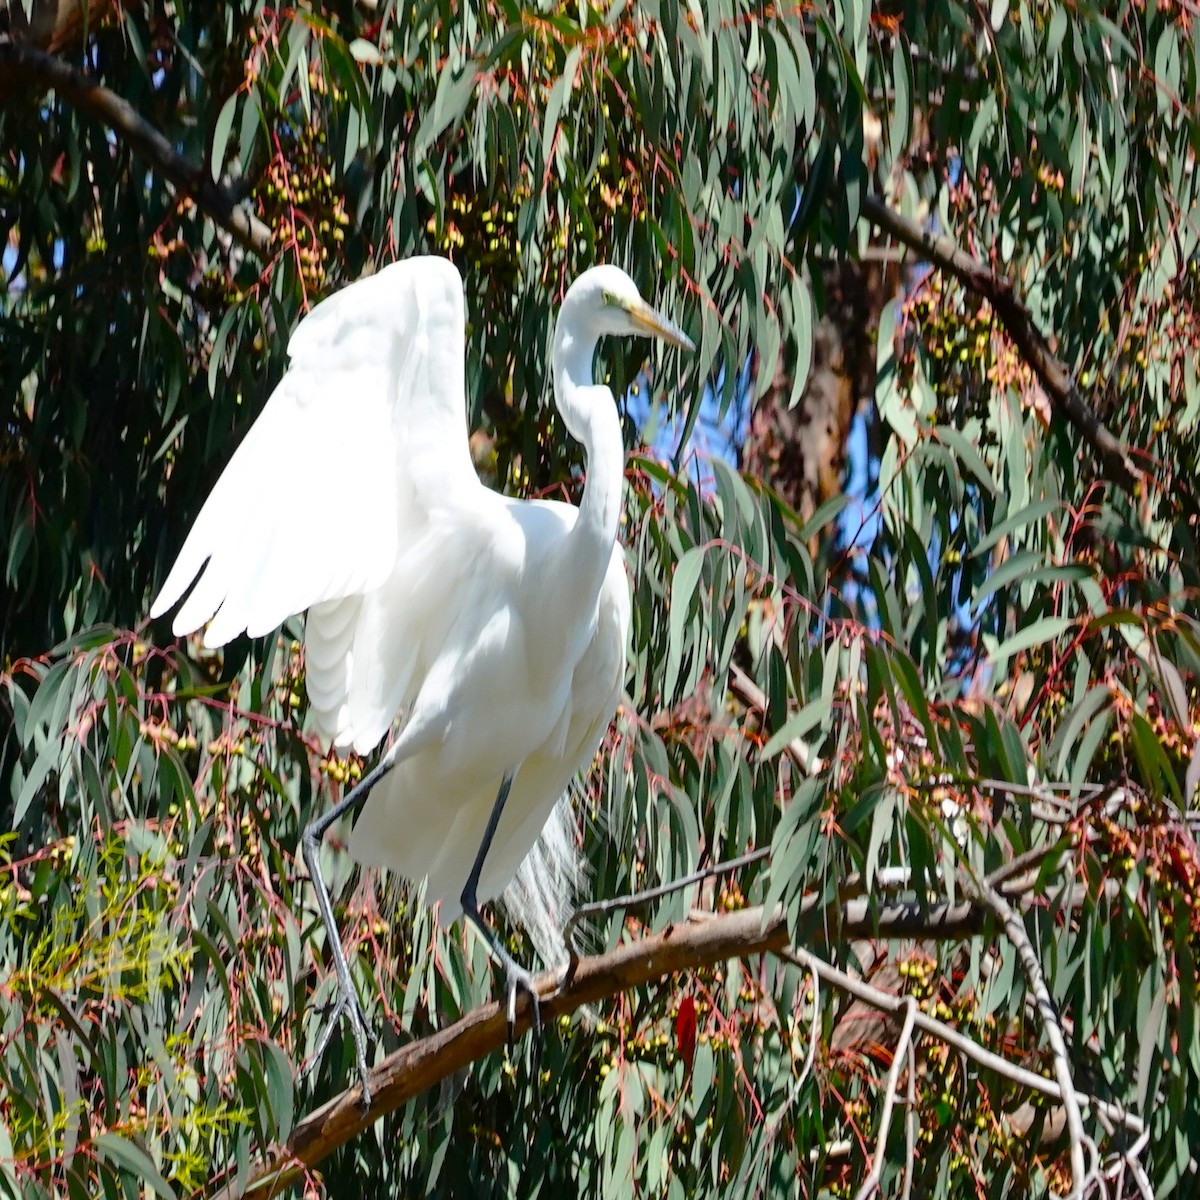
(958, 709)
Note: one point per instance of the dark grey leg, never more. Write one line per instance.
(347, 999)
(518, 979)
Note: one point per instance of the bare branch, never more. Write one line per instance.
(421, 1065)
(910, 1123)
(1050, 370)
(889, 1003)
(899, 1057)
(636, 900)
(1014, 930)
(1030, 863)
(750, 694)
(20, 61)
(1129, 1159)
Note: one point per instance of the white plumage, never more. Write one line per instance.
(493, 629)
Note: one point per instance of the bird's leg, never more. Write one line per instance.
(348, 1002)
(518, 979)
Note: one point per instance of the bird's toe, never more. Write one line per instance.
(348, 1007)
(521, 980)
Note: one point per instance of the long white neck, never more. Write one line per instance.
(590, 415)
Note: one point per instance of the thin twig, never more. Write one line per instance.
(1030, 859)
(635, 900)
(1053, 374)
(20, 60)
(1093, 1174)
(889, 1003)
(1131, 1158)
(910, 1123)
(1014, 929)
(899, 1058)
(750, 694)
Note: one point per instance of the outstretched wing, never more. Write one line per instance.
(366, 430)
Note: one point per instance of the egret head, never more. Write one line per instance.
(608, 300)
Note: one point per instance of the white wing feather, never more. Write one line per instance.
(353, 497)
(335, 475)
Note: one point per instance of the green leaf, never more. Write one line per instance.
(1045, 629)
(450, 104)
(808, 718)
(883, 820)
(45, 762)
(1020, 569)
(19, 545)
(824, 517)
(1031, 514)
(968, 456)
(902, 81)
(279, 1085)
(1149, 1025)
(216, 359)
(684, 582)
(556, 103)
(130, 1157)
(1063, 747)
(221, 135)
(47, 700)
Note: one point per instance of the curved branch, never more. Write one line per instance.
(420, 1065)
(888, 1002)
(703, 942)
(21, 61)
(1032, 345)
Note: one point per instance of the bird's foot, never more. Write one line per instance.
(347, 1006)
(517, 980)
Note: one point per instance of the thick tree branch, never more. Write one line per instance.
(700, 943)
(998, 292)
(20, 61)
(420, 1065)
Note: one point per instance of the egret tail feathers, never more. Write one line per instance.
(542, 895)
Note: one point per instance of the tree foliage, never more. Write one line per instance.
(959, 710)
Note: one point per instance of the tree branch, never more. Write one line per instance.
(900, 1056)
(419, 1066)
(1014, 930)
(21, 61)
(998, 292)
(700, 943)
(889, 1003)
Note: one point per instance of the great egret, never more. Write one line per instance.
(494, 628)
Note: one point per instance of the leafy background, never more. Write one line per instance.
(976, 664)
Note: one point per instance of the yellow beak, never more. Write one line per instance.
(654, 324)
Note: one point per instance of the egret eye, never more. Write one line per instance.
(382, 365)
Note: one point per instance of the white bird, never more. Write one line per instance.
(491, 630)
